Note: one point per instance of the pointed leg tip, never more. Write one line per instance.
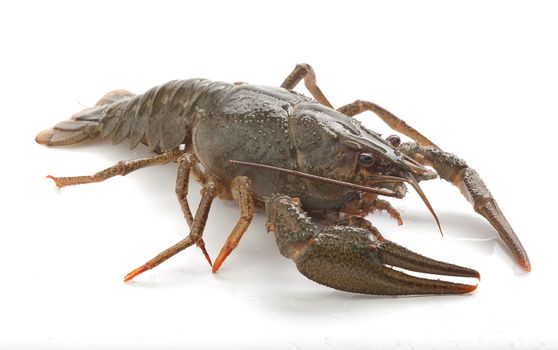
(205, 254)
(209, 261)
(55, 181)
(130, 276)
(217, 265)
(223, 254)
(526, 265)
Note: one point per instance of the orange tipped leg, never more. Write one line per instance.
(136, 272)
(121, 168)
(223, 254)
(241, 187)
(209, 192)
(201, 245)
(55, 179)
(186, 163)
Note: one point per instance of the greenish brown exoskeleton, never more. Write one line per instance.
(317, 171)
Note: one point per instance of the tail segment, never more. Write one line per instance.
(161, 118)
(84, 125)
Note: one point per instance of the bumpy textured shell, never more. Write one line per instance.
(160, 118)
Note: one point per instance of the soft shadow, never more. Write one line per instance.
(334, 303)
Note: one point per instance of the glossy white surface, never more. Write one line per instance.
(479, 80)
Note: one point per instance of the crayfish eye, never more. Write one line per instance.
(394, 140)
(366, 159)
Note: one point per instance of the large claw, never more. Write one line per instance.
(352, 259)
(453, 169)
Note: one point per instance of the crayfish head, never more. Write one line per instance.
(378, 164)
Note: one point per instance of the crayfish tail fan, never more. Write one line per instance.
(84, 125)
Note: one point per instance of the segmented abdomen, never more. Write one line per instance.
(161, 117)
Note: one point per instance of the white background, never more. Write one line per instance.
(479, 79)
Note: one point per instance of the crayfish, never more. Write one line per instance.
(317, 171)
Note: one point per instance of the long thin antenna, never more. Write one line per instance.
(422, 196)
(379, 191)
